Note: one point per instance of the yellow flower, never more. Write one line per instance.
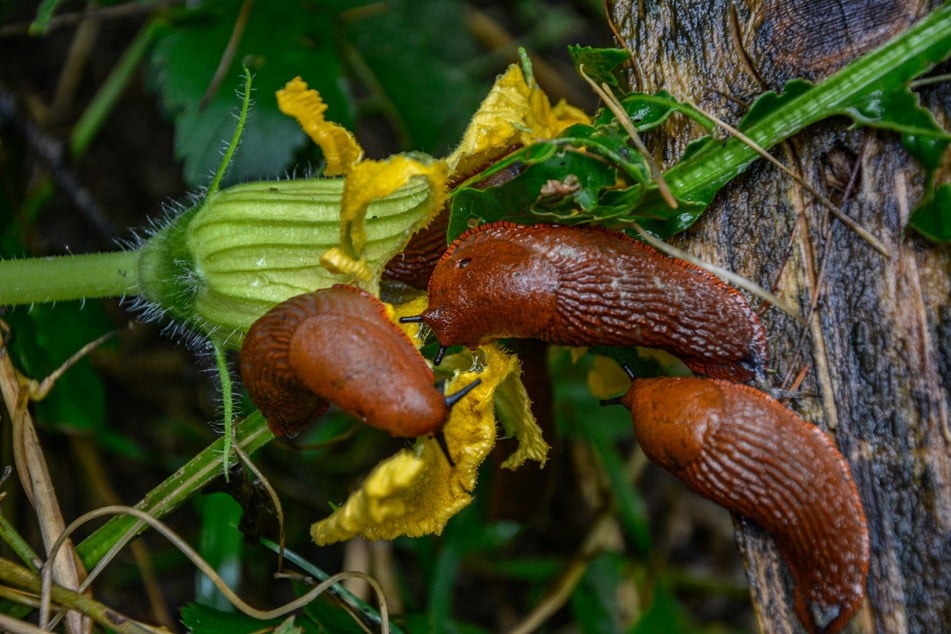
(365, 182)
(515, 113)
(416, 491)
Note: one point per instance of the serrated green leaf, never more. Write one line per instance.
(933, 218)
(863, 83)
(281, 40)
(900, 111)
(766, 104)
(599, 64)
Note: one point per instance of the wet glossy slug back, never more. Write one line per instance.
(584, 286)
(338, 346)
(744, 450)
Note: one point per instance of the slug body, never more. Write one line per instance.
(742, 449)
(585, 286)
(337, 346)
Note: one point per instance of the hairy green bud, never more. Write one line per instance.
(223, 263)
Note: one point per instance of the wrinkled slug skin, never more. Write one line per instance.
(742, 449)
(584, 286)
(337, 346)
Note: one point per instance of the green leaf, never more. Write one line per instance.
(649, 111)
(594, 602)
(221, 546)
(45, 336)
(281, 40)
(201, 619)
(599, 64)
(933, 218)
(416, 55)
(901, 112)
(554, 183)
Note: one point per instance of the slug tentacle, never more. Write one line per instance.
(585, 286)
(742, 449)
(338, 346)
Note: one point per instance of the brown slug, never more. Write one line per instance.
(338, 346)
(744, 450)
(586, 286)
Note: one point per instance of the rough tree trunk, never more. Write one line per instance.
(877, 350)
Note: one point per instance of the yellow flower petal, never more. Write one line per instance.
(371, 180)
(514, 409)
(416, 492)
(340, 147)
(514, 114)
(335, 261)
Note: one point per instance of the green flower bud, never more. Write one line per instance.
(223, 263)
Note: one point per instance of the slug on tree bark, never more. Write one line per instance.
(744, 450)
(585, 286)
(338, 346)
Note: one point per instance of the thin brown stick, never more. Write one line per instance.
(604, 92)
(206, 569)
(13, 574)
(727, 276)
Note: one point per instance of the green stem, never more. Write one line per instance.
(227, 405)
(15, 541)
(699, 177)
(252, 434)
(20, 577)
(68, 277)
(106, 97)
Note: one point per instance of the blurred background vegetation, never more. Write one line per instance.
(108, 112)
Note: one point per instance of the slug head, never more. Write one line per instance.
(480, 282)
(352, 355)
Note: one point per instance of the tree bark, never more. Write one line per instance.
(874, 355)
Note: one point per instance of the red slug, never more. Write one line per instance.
(742, 449)
(585, 286)
(337, 345)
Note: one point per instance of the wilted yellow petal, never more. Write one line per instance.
(340, 147)
(339, 263)
(372, 180)
(514, 409)
(416, 492)
(514, 114)
(607, 379)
